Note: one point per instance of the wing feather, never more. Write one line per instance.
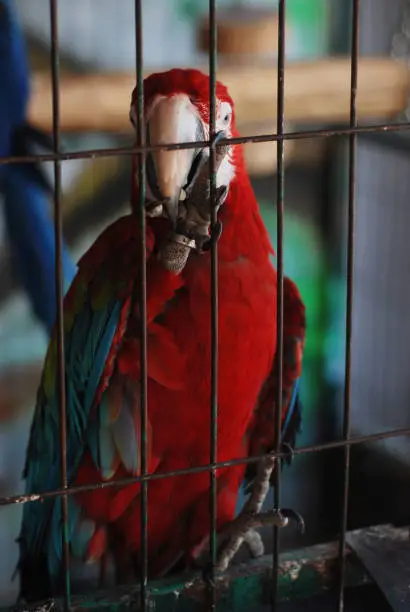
(96, 311)
(261, 434)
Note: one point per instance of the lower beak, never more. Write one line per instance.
(173, 120)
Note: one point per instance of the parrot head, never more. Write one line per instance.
(176, 109)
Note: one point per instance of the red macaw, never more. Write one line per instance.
(102, 353)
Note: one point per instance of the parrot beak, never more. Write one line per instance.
(174, 119)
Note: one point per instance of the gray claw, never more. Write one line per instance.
(154, 209)
(291, 514)
(290, 453)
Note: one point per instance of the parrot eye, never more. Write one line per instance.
(225, 114)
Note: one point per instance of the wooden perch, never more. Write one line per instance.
(315, 92)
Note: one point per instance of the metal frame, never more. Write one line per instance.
(140, 150)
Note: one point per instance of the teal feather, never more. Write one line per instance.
(293, 406)
(74, 512)
(107, 453)
(98, 359)
(125, 438)
(87, 346)
(55, 543)
(81, 537)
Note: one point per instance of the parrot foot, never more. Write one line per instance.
(243, 529)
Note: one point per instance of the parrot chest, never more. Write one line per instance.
(247, 342)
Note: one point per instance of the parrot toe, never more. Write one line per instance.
(244, 527)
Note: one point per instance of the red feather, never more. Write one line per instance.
(262, 429)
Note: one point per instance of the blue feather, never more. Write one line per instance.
(290, 427)
(292, 405)
(99, 357)
(31, 234)
(24, 188)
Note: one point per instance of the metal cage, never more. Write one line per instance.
(146, 592)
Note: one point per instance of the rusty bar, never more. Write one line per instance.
(303, 450)
(120, 151)
(214, 303)
(58, 229)
(349, 297)
(142, 300)
(280, 196)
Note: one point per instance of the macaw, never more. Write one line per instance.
(102, 356)
(24, 187)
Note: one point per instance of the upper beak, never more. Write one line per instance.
(174, 119)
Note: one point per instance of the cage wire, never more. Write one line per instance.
(140, 150)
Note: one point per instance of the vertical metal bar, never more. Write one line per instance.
(280, 195)
(142, 301)
(349, 298)
(214, 291)
(58, 227)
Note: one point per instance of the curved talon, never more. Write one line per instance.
(217, 231)
(206, 244)
(291, 514)
(289, 451)
(154, 209)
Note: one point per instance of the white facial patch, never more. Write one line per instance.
(183, 128)
(223, 121)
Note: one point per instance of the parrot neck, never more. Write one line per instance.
(240, 211)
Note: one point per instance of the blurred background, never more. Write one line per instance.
(97, 45)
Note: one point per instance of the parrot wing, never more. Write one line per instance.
(262, 430)
(96, 314)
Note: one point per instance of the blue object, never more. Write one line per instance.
(24, 187)
(291, 427)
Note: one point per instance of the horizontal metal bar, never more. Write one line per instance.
(72, 490)
(116, 151)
